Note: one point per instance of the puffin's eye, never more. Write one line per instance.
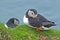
(32, 13)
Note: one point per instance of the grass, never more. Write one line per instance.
(23, 32)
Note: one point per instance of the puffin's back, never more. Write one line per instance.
(45, 22)
(42, 18)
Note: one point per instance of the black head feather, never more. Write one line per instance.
(11, 23)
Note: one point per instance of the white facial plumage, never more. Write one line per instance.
(30, 13)
(16, 22)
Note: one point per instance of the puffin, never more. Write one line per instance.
(12, 22)
(33, 19)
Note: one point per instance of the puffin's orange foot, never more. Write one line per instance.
(39, 28)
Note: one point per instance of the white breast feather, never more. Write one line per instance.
(5, 25)
(25, 20)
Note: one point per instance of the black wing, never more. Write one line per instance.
(41, 18)
(45, 22)
(35, 22)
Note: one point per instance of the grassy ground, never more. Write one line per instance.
(23, 32)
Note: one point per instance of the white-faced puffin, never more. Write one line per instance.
(35, 20)
(13, 22)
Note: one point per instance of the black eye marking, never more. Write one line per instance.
(32, 13)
